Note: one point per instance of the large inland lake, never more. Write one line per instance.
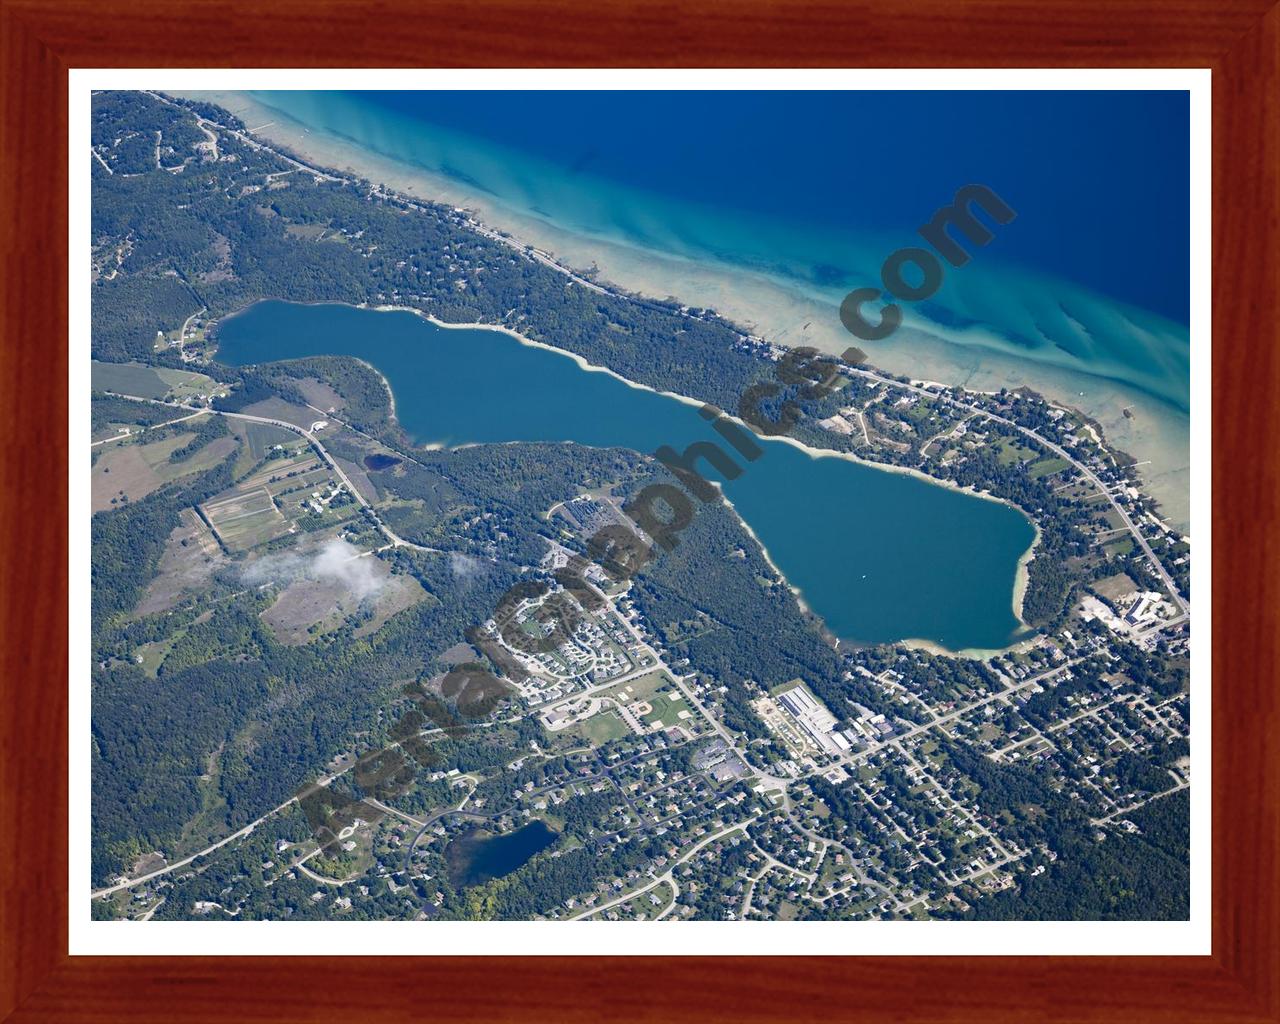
(879, 555)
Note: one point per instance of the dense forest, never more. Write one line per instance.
(127, 542)
(108, 409)
(274, 714)
(1143, 876)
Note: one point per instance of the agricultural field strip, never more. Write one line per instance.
(660, 664)
(395, 539)
(213, 510)
(137, 430)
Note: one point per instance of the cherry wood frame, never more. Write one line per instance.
(41, 39)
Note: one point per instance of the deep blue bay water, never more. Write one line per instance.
(879, 555)
(815, 188)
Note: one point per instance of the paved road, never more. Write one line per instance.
(129, 882)
(659, 664)
(1182, 784)
(388, 809)
(205, 123)
(182, 332)
(546, 260)
(316, 876)
(666, 876)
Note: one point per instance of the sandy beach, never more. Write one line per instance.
(1156, 435)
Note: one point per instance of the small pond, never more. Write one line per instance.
(479, 856)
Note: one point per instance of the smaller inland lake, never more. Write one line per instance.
(478, 856)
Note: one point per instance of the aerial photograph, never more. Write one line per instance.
(639, 505)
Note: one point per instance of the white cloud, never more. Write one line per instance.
(464, 566)
(335, 562)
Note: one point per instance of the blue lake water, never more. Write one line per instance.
(477, 857)
(879, 555)
(816, 188)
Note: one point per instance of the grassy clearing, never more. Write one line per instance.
(1047, 467)
(149, 657)
(401, 593)
(667, 709)
(320, 394)
(1115, 588)
(184, 384)
(261, 437)
(306, 609)
(152, 381)
(190, 557)
(127, 379)
(309, 608)
(602, 728)
(309, 232)
(1121, 546)
(1010, 452)
(278, 409)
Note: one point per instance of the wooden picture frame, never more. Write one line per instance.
(42, 39)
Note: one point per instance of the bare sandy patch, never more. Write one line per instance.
(190, 557)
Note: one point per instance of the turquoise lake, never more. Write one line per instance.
(879, 555)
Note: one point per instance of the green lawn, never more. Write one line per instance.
(151, 381)
(150, 656)
(1011, 452)
(128, 379)
(602, 728)
(666, 709)
(1119, 547)
(185, 383)
(1046, 467)
(639, 689)
(262, 436)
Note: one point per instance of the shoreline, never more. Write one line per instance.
(1156, 436)
(1022, 575)
(796, 592)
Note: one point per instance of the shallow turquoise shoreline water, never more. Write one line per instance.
(758, 182)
